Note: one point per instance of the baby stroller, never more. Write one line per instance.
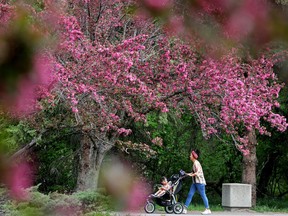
(168, 200)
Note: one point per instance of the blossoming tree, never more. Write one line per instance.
(136, 71)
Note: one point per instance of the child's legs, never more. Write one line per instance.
(159, 193)
(201, 190)
(190, 195)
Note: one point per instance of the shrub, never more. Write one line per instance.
(93, 201)
(41, 204)
(60, 204)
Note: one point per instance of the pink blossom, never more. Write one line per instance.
(138, 195)
(24, 103)
(123, 131)
(157, 4)
(75, 110)
(276, 104)
(43, 70)
(157, 141)
(245, 152)
(19, 179)
(211, 120)
(175, 26)
(165, 109)
(240, 25)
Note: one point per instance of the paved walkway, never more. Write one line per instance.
(197, 213)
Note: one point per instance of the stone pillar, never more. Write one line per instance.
(236, 196)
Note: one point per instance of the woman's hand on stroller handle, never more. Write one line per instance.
(183, 173)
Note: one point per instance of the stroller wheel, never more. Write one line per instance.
(178, 208)
(149, 207)
(169, 209)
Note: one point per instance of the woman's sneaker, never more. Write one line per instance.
(206, 212)
(184, 211)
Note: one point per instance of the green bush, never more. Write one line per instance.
(40, 204)
(93, 201)
(55, 203)
(63, 203)
(271, 205)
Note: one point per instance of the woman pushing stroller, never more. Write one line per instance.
(198, 184)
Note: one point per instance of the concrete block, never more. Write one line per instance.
(236, 195)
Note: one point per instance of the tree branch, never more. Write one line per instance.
(27, 147)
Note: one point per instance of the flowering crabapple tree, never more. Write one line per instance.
(111, 68)
(108, 72)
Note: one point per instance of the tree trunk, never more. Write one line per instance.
(249, 165)
(90, 160)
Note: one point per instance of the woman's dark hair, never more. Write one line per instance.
(163, 178)
(198, 152)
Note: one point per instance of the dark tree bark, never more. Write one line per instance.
(249, 165)
(92, 153)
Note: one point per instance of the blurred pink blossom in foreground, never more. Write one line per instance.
(39, 78)
(138, 196)
(128, 189)
(157, 4)
(19, 178)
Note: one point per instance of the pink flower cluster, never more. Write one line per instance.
(107, 80)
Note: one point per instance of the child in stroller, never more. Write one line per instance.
(164, 187)
(165, 196)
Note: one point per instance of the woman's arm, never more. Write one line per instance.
(191, 174)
